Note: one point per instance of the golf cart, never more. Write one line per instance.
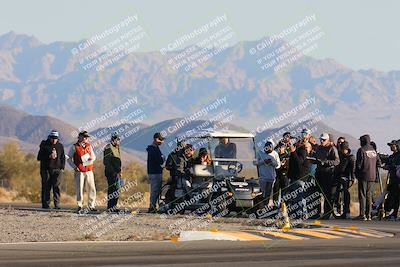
(229, 183)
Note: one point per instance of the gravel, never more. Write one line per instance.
(38, 226)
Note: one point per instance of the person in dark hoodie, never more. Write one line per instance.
(52, 163)
(327, 158)
(345, 175)
(366, 164)
(155, 160)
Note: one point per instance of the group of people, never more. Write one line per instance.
(285, 168)
(179, 163)
(81, 158)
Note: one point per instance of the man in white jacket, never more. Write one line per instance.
(267, 161)
(81, 158)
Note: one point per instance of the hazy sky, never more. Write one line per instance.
(358, 34)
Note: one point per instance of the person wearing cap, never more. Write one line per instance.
(367, 163)
(304, 137)
(52, 164)
(155, 160)
(394, 181)
(327, 158)
(345, 175)
(81, 158)
(267, 161)
(112, 169)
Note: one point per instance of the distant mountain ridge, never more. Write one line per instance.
(46, 79)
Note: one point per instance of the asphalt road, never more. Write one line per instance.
(313, 252)
(317, 252)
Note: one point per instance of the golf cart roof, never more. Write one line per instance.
(218, 134)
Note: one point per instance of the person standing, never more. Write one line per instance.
(299, 172)
(393, 187)
(52, 164)
(112, 169)
(345, 175)
(282, 181)
(327, 158)
(155, 160)
(81, 158)
(366, 168)
(267, 161)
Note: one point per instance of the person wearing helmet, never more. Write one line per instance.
(113, 171)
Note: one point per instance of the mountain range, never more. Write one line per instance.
(46, 79)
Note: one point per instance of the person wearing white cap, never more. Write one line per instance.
(327, 157)
(52, 163)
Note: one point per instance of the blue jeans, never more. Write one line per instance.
(155, 189)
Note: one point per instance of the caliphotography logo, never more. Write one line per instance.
(199, 133)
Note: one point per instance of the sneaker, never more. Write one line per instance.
(93, 209)
(78, 210)
(57, 208)
(45, 207)
(369, 218)
(345, 216)
(360, 218)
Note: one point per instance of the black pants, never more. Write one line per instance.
(365, 197)
(112, 192)
(344, 184)
(296, 207)
(393, 196)
(281, 183)
(325, 182)
(51, 179)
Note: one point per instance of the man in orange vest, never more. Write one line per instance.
(81, 158)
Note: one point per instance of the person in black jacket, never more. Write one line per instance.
(327, 158)
(366, 167)
(52, 163)
(391, 163)
(155, 160)
(298, 173)
(113, 171)
(345, 176)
